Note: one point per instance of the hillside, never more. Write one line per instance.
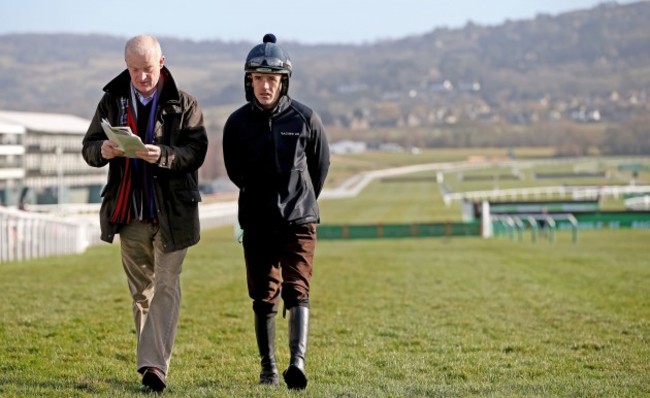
(588, 66)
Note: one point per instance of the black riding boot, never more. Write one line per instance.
(295, 375)
(265, 332)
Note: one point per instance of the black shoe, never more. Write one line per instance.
(154, 379)
(295, 378)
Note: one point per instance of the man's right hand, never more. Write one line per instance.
(110, 150)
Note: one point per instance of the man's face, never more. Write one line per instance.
(145, 71)
(267, 88)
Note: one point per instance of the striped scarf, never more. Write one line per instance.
(136, 195)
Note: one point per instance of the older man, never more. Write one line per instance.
(151, 198)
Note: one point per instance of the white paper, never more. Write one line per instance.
(126, 140)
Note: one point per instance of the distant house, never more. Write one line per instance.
(585, 115)
(41, 162)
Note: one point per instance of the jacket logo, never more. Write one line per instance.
(290, 133)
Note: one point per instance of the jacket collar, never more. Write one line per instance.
(283, 103)
(120, 86)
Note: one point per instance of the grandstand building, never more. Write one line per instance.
(12, 153)
(41, 162)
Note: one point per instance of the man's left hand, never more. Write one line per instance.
(151, 155)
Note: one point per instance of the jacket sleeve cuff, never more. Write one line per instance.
(164, 161)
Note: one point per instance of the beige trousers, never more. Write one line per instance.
(154, 282)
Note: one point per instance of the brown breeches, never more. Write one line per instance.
(279, 263)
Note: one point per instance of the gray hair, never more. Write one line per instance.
(143, 45)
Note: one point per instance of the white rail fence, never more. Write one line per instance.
(574, 192)
(638, 203)
(26, 235)
(52, 231)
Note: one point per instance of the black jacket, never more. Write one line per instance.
(180, 133)
(279, 160)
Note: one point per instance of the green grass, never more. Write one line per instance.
(345, 166)
(407, 317)
(427, 317)
(391, 202)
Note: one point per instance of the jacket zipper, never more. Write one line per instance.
(275, 147)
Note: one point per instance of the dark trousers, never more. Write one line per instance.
(279, 263)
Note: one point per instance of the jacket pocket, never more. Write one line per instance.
(188, 196)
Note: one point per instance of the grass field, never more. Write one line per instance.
(395, 200)
(345, 166)
(391, 202)
(427, 317)
(391, 318)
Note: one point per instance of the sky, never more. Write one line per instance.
(306, 21)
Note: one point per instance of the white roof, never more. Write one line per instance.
(11, 128)
(45, 122)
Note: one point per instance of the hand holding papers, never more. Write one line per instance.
(127, 141)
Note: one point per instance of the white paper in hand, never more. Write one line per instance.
(126, 140)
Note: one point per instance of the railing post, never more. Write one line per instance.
(533, 229)
(551, 229)
(486, 220)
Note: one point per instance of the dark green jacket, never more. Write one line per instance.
(180, 133)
